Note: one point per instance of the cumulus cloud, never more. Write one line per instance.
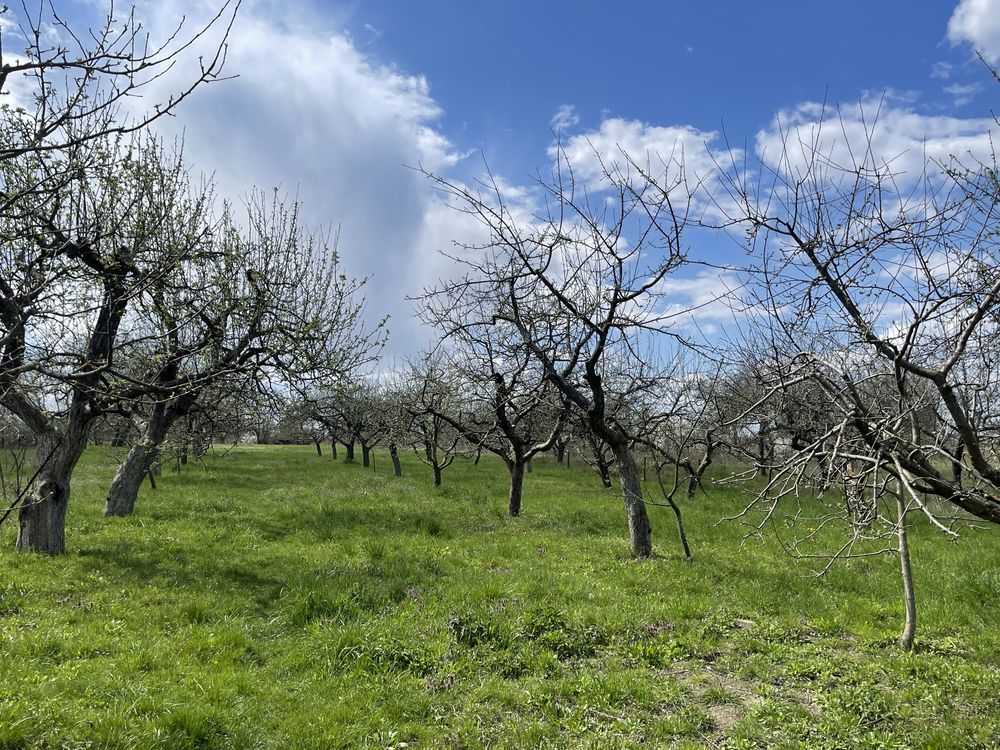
(883, 133)
(977, 22)
(679, 157)
(312, 115)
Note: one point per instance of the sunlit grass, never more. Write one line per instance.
(274, 599)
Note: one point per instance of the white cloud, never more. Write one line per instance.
(877, 132)
(978, 23)
(313, 114)
(565, 118)
(679, 157)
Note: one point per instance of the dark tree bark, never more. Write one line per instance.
(319, 448)
(349, 450)
(437, 475)
(366, 454)
(516, 484)
(333, 448)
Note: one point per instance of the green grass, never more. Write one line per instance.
(278, 600)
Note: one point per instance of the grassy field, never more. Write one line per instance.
(273, 599)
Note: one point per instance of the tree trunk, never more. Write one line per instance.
(909, 598)
(333, 449)
(527, 466)
(692, 484)
(602, 469)
(42, 515)
(560, 452)
(516, 483)
(366, 455)
(319, 448)
(125, 486)
(397, 470)
(124, 490)
(350, 451)
(437, 475)
(680, 529)
(640, 532)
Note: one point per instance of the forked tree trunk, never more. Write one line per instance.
(516, 484)
(909, 597)
(397, 470)
(640, 532)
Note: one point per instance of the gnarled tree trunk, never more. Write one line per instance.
(42, 515)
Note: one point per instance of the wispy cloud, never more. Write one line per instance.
(565, 118)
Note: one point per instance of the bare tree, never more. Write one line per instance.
(877, 297)
(578, 283)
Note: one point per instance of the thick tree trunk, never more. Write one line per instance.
(333, 449)
(366, 455)
(42, 515)
(350, 451)
(125, 486)
(560, 452)
(437, 475)
(640, 532)
(909, 597)
(397, 470)
(516, 483)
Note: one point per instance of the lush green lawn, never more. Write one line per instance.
(280, 600)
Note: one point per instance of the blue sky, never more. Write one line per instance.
(336, 101)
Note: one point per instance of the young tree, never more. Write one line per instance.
(879, 297)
